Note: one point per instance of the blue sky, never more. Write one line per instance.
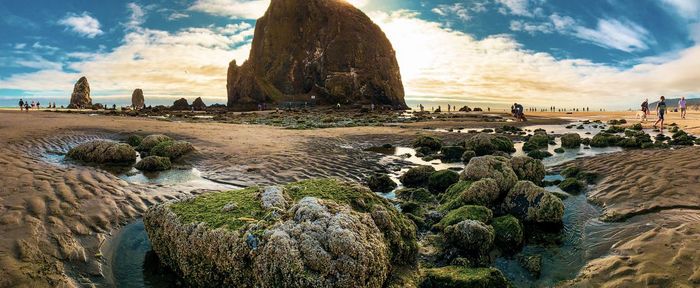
(611, 53)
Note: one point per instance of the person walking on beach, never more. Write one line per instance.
(21, 104)
(26, 106)
(661, 112)
(682, 104)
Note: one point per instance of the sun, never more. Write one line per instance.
(358, 3)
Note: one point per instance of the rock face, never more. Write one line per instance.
(323, 48)
(199, 105)
(137, 100)
(81, 95)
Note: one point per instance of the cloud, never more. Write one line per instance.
(137, 16)
(82, 24)
(237, 9)
(177, 15)
(20, 46)
(499, 70)
(457, 10)
(621, 35)
(515, 7)
(689, 9)
(191, 62)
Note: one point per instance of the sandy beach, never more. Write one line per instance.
(54, 218)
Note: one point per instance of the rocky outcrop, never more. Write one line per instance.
(137, 99)
(316, 233)
(81, 95)
(323, 48)
(199, 105)
(181, 105)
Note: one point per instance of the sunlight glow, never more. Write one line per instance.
(358, 3)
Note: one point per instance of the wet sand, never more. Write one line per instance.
(54, 217)
(658, 190)
(691, 124)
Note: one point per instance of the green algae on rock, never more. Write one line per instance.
(429, 143)
(103, 152)
(483, 192)
(571, 185)
(154, 163)
(381, 183)
(509, 232)
(279, 236)
(417, 176)
(486, 144)
(463, 277)
(467, 212)
(150, 141)
(531, 203)
(439, 181)
(571, 140)
(494, 167)
(528, 169)
(172, 149)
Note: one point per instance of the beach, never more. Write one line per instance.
(55, 217)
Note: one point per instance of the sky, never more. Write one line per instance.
(598, 53)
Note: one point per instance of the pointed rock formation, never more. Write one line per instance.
(323, 51)
(81, 95)
(137, 99)
(199, 105)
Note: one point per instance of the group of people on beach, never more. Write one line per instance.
(26, 105)
(661, 110)
(518, 112)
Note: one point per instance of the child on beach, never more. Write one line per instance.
(661, 111)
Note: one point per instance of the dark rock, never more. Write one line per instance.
(181, 105)
(199, 105)
(381, 183)
(439, 181)
(417, 176)
(103, 152)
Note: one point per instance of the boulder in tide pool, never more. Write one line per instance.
(151, 141)
(463, 277)
(172, 149)
(531, 203)
(103, 152)
(528, 169)
(154, 163)
(417, 176)
(494, 167)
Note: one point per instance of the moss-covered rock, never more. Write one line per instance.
(571, 140)
(452, 154)
(483, 192)
(316, 233)
(439, 181)
(539, 154)
(637, 127)
(572, 185)
(467, 212)
(470, 236)
(103, 152)
(531, 263)
(467, 156)
(559, 150)
(531, 203)
(150, 141)
(172, 149)
(463, 277)
(494, 167)
(134, 140)
(420, 195)
(486, 144)
(428, 143)
(417, 176)
(381, 183)
(570, 172)
(154, 163)
(509, 232)
(528, 168)
(536, 141)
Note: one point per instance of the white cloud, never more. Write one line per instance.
(82, 24)
(532, 28)
(457, 10)
(137, 17)
(177, 15)
(689, 9)
(237, 9)
(497, 69)
(516, 7)
(20, 46)
(610, 33)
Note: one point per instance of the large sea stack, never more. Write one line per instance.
(81, 95)
(322, 51)
(137, 99)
